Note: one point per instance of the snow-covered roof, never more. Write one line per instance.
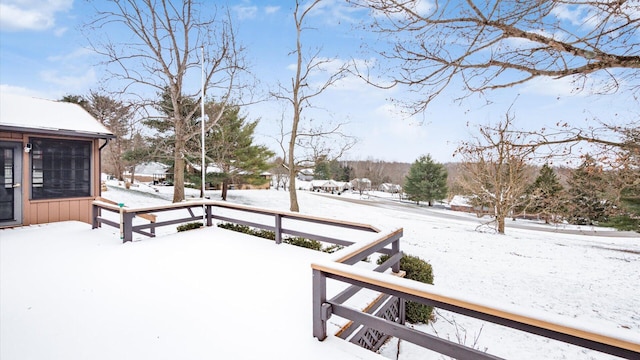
(24, 113)
(459, 200)
(324, 183)
(151, 168)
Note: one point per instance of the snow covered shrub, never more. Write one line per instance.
(267, 234)
(189, 226)
(237, 228)
(333, 248)
(305, 243)
(418, 270)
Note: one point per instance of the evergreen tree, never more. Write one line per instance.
(322, 170)
(164, 142)
(545, 194)
(426, 181)
(230, 146)
(588, 203)
(332, 170)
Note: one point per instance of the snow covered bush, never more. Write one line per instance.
(189, 226)
(418, 270)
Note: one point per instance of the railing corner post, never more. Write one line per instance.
(95, 213)
(319, 299)
(127, 227)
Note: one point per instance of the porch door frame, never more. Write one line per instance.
(18, 183)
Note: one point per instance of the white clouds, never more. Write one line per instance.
(78, 53)
(421, 7)
(71, 82)
(553, 87)
(271, 9)
(418, 7)
(36, 15)
(574, 15)
(246, 11)
(20, 90)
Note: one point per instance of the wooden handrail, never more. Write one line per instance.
(621, 339)
(144, 211)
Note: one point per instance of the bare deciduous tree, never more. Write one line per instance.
(308, 141)
(160, 51)
(494, 172)
(492, 44)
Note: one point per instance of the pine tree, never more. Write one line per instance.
(545, 194)
(587, 194)
(230, 146)
(426, 181)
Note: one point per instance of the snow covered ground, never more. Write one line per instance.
(161, 298)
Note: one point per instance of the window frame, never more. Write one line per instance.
(61, 173)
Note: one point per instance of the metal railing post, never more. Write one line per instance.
(95, 213)
(127, 227)
(319, 298)
(209, 210)
(395, 248)
(278, 228)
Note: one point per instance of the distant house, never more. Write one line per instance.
(50, 161)
(361, 184)
(324, 185)
(390, 188)
(464, 203)
(306, 175)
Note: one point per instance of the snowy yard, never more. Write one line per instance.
(89, 296)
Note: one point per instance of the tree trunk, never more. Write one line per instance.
(293, 195)
(225, 186)
(500, 220)
(178, 164)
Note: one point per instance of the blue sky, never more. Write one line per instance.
(43, 54)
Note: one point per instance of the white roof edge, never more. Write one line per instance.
(47, 116)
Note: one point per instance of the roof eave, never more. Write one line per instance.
(63, 132)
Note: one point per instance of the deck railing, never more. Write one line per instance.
(339, 266)
(202, 210)
(614, 341)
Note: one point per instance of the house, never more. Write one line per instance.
(50, 161)
(390, 188)
(461, 203)
(306, 174)
(324, 185)
(361, 184)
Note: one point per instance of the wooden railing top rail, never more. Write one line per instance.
(348, 253)
(223, 204)
(611, 336)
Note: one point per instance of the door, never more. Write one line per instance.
(10, 183)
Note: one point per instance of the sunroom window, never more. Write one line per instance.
(60, 168)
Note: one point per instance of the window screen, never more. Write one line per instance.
(60, 168)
